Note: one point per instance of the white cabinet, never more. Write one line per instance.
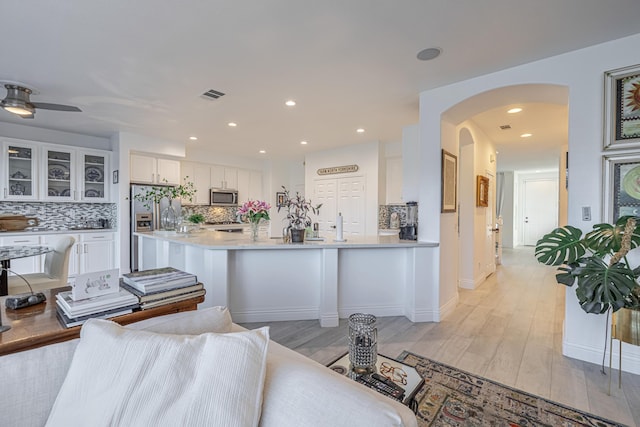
(26, 265)
(152, 170)
(394, 180)
(96, 252)
(52, 172)
(20, 170)
(91, 252)
(249, 185)
(75, 175)
(93, 175)
(200, 175)
(224, 177)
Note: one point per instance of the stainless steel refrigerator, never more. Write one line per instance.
(145, 219)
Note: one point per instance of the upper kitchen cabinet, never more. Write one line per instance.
(20, 170)
(75, 174)
(394, 181)
(93, 175)
(153, 170)
(59, 178)
(224, 177)
(200, 176)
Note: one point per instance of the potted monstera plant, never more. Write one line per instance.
(598, 263)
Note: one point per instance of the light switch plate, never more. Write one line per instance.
(586, 213)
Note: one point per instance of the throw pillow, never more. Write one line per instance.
(124, 377)
(195, 322)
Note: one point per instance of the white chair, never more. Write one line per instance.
(56, 270)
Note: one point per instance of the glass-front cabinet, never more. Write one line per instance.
(94, 169)
(60, 174)
(33, 170)
(20, 171)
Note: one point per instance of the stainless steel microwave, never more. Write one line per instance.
(223, 197)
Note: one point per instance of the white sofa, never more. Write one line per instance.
(297, 391)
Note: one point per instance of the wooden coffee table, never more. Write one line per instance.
(38, 325)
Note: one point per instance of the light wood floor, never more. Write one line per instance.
(508, 330)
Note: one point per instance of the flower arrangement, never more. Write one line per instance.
(184, 191)
(254, 211)
(298, 209)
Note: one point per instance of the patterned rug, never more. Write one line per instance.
(451, 397)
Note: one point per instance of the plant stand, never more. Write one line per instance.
(625, 327)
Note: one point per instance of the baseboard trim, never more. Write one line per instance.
(275, 315)
(448, 307)
(380, 311)
(630, 360)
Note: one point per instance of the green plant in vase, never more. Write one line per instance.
(298, 216)
(168, 216)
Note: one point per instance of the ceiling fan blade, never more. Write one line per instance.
(57, 107)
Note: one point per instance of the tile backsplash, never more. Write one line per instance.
(213, 213)
(62, 216)
(384, 214)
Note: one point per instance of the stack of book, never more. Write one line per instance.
(161, 286)
(73, 313)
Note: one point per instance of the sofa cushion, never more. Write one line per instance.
(194, 322)
(120, 376)
(33, 390)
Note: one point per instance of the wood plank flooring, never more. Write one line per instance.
(508, 330)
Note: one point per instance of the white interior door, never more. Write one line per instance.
(540, 209)
(351, 205)
(490, 237)
(325, 193)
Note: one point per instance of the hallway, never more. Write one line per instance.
(508, 330)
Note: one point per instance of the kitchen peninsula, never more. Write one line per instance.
(269, 280)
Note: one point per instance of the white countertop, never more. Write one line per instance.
(68, 231)
(217, 240)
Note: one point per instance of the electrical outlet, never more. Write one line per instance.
(586, 213)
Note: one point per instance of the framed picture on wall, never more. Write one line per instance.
(622, 108)
(621, 186)
(449, 182)
(482, 191)
(280, 199)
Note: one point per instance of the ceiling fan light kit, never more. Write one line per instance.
(18, 102)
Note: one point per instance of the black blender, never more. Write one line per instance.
(409, 231)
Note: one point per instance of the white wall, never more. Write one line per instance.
(366, 156)
(32, 133)
(581, 72)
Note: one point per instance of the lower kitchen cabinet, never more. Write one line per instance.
(97, 252)
(32, 264)
(91, 252)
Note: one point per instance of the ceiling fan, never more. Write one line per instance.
(18, 102)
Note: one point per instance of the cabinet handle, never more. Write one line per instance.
(78, 249)
(98, 237)
(85, 248)
(5, 192)
(20, 241)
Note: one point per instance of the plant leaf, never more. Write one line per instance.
(606, 238)
(600, 286)
(561, 246)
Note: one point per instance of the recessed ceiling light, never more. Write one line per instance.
(525, 135)
(303, 142)
(232, 124)
(429, 53)
(514, 110)
(360, 130)
(290, 103)
(193, 138)
(262, 151)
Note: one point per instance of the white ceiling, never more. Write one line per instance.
(140, 66)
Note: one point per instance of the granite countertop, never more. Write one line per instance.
(36, 230)
(214, 240)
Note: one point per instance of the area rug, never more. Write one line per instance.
(451, 397)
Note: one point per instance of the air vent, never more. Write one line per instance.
(212, 94)
(505, 127)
